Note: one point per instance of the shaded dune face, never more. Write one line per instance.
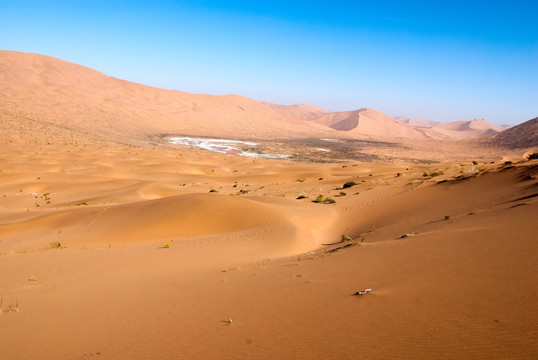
(518, 137)
(272, 228)
(349, 123)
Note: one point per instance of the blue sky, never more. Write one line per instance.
(438, 60)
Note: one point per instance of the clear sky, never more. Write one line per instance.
(438, 60)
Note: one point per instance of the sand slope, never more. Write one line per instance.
(521, 136)
(465, 129)
(368, 123)
(461, 283)
(74, 96)
(84, 99)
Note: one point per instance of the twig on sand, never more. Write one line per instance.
(227, 321)
(340, 248)
(363, 292)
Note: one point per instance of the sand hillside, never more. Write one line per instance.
(465, 129)
(66, 94)
(132, 248)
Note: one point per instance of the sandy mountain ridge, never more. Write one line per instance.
(522, 136)
(416, 122)
(67, 94)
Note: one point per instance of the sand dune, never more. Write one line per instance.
(368, 123)
(416, 122)
(67, 94)
(84, 99)
(465, 129)
(518, 137)
(118, 248)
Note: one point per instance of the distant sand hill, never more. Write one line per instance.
(77, 97)
(518, 137)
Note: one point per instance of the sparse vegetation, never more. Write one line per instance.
(167, 246)
(506, 163)
(323, 200)
(55, 245)
(432, 174)
(342, 193)
(475, 162)
(447, 217)
(349, 184)
(213, 191)
(10, 308)
(532, 156)
(345, 238)
(301, 197)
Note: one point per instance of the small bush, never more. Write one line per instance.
(349, 184)
(475, 162)
(167, 245)
(301, 197)
(507, 163)
(533, 156)
(320, 199)
(213, 191)
(447, 217)
(342, 193)
(345, 238)
(55, 245)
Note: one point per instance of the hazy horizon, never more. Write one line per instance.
(450, 62)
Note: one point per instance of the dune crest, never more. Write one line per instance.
(83, 99)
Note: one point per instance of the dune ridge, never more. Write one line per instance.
(83, 99)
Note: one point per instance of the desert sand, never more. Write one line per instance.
(123, 246)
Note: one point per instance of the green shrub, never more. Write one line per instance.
(321, 199)
(55, 245)
(349, 184)
(533, 156)
(345, 238)
(475, 162)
